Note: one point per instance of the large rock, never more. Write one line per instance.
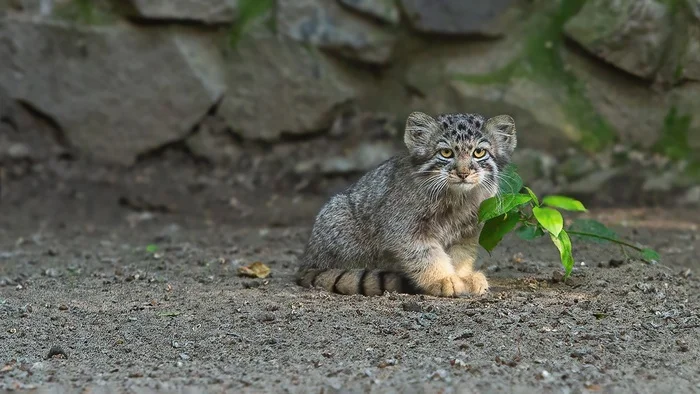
(477, 80)
(326, 24)
(630, 34)
(362, 140)
(635, 111)
(205, 11)
(456, 17)
(41, 7)
(115, 91)
(694, 6)
(25, 136)
(75, 11)
(686, 100)
(383, 10)
(430, 72)
(538, 111)
(278, 87)
(213, 141)
(690, 61)
(438, 65)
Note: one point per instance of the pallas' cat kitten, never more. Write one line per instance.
(411, 224)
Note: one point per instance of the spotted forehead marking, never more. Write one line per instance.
(461, 128)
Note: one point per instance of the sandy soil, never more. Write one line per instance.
(76, 274)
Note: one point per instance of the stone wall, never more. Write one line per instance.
(121, 78)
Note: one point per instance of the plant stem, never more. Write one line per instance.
(624, 251)
(617, 241)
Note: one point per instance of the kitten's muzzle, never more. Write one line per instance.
(462, 177)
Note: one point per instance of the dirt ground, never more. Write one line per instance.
(77, 273)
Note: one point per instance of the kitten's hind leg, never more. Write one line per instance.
(430, 268)
(463, 257)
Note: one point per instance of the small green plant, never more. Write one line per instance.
(249, 11)
(674, 141)
(517, 207)
(85, 12)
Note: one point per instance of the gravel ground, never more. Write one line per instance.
(79, 280)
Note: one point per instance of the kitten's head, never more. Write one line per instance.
(460, 152)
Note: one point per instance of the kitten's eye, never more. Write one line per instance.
(479, 153)
(446, 153)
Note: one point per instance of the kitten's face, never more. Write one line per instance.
(460, 152)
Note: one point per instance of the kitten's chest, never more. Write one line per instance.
(452, 224)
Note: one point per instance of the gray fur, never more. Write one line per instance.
(399, 214)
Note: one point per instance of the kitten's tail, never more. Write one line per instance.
(369, 282)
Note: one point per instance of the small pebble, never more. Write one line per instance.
(613, 263)
(387, 363)
(52, 273)
(465, 335)
(645, 287)
(578, 353)
(557, 276)
(458, 363)
(184, 356)
(430, 316)
(545, 376)
(57, 352)
(19, 151)
(440, 374)
(266, 317)
(412, 306)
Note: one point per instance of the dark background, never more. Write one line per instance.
(299, 97)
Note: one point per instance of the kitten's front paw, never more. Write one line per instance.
(476, 283)
(451, 286)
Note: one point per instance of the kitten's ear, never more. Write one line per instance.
(501, 128)
(419, 127)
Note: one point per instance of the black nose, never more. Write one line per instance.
(463, 175)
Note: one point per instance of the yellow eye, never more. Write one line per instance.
(446, 153)
(479, 153)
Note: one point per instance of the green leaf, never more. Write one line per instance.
(584, 227)
(498, 205)
(509, 180)
(533, 195)
(563, 243)
(563, 202)
(529, 233)
(550, 219)
(496, 228)
(650, 255)
(152, 248)
(169, 314)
